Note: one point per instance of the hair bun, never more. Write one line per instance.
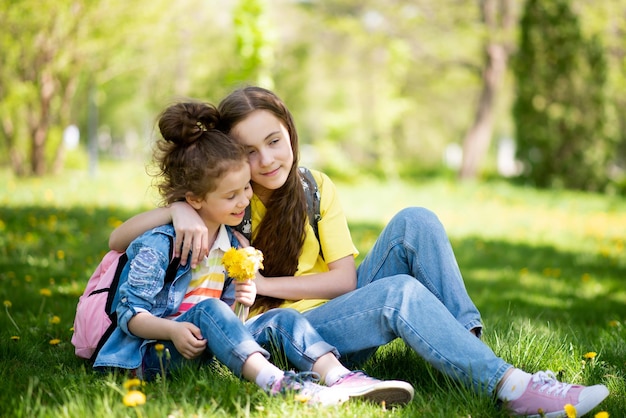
(185, 123)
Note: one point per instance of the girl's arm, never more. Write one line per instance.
(191, 232)
(186, 336)
(339, 279)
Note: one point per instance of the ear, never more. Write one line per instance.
(194, 201)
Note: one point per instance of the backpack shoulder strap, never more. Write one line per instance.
(313, 197)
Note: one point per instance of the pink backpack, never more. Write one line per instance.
(95, 314)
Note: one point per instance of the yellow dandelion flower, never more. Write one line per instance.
(159, 347)
(71, 329)
(132, 383)
(134, 398)
(590, 355)
(60, 254)
(15, 337)
(45, 292)
(7, 304)
(55, 320)
(28, 278)
(243, 263)
(586, 277)
(54, 341)
(613, 323)
(570, 410)
(601, 414)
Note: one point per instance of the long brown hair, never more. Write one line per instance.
(280, 235)
(193, 154)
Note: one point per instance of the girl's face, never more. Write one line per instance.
(269, 150)
(226, 204)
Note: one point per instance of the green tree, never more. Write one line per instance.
(560, 110)
(39, 76)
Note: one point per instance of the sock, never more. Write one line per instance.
(514, 385)
(269, 375)
(334, 374)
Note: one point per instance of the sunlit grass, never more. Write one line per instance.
(545, 268)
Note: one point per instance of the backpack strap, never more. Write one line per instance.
(313, 197)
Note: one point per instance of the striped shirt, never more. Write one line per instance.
(207, 279)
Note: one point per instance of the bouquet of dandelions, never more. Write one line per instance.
(242, 264)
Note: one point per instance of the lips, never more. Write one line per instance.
(271, 173)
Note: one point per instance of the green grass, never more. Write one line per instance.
(546, 269)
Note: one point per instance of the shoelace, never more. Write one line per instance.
(296, 381)
(353, 373)
(549, 384)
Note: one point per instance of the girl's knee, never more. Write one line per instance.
(415, 213)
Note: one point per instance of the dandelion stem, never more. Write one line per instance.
(241, 311)
(11, 318)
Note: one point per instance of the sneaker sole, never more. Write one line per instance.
(390, 392)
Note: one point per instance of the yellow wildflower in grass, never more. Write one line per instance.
(159, 347)
(132, 383)
(570, 410)
(45, 292)
(15, 337)
(28, 278)
(613, 323)
(590, 355)
(60, 254)
(54, 341)
(134, 398)
(7, 304)
(55, 320)
(601, 414)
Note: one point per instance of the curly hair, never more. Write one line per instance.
(280, 235)
(193, 154)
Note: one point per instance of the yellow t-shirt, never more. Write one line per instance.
(334, 235)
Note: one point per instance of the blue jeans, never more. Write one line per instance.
(358, 322)
(415, 243)
(231, 342)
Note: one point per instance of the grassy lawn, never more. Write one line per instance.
(547, 270)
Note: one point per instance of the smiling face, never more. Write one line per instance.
(227, 203)
(269, 150)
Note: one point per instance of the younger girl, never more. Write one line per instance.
(408, 287)
(203, 167)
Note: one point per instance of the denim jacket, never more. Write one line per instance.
(142, 288)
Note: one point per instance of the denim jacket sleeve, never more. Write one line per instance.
(143, 289)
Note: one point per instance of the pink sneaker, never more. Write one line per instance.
(546, 397)
(359, 385)
(304, 389)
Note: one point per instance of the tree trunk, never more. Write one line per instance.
(476, 142)
(498, 18)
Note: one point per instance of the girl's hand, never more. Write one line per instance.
(191, 234)
(245, 292)
(188, 340)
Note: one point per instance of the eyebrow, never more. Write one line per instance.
(271, 134)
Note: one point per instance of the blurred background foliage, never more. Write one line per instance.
(396, 88)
